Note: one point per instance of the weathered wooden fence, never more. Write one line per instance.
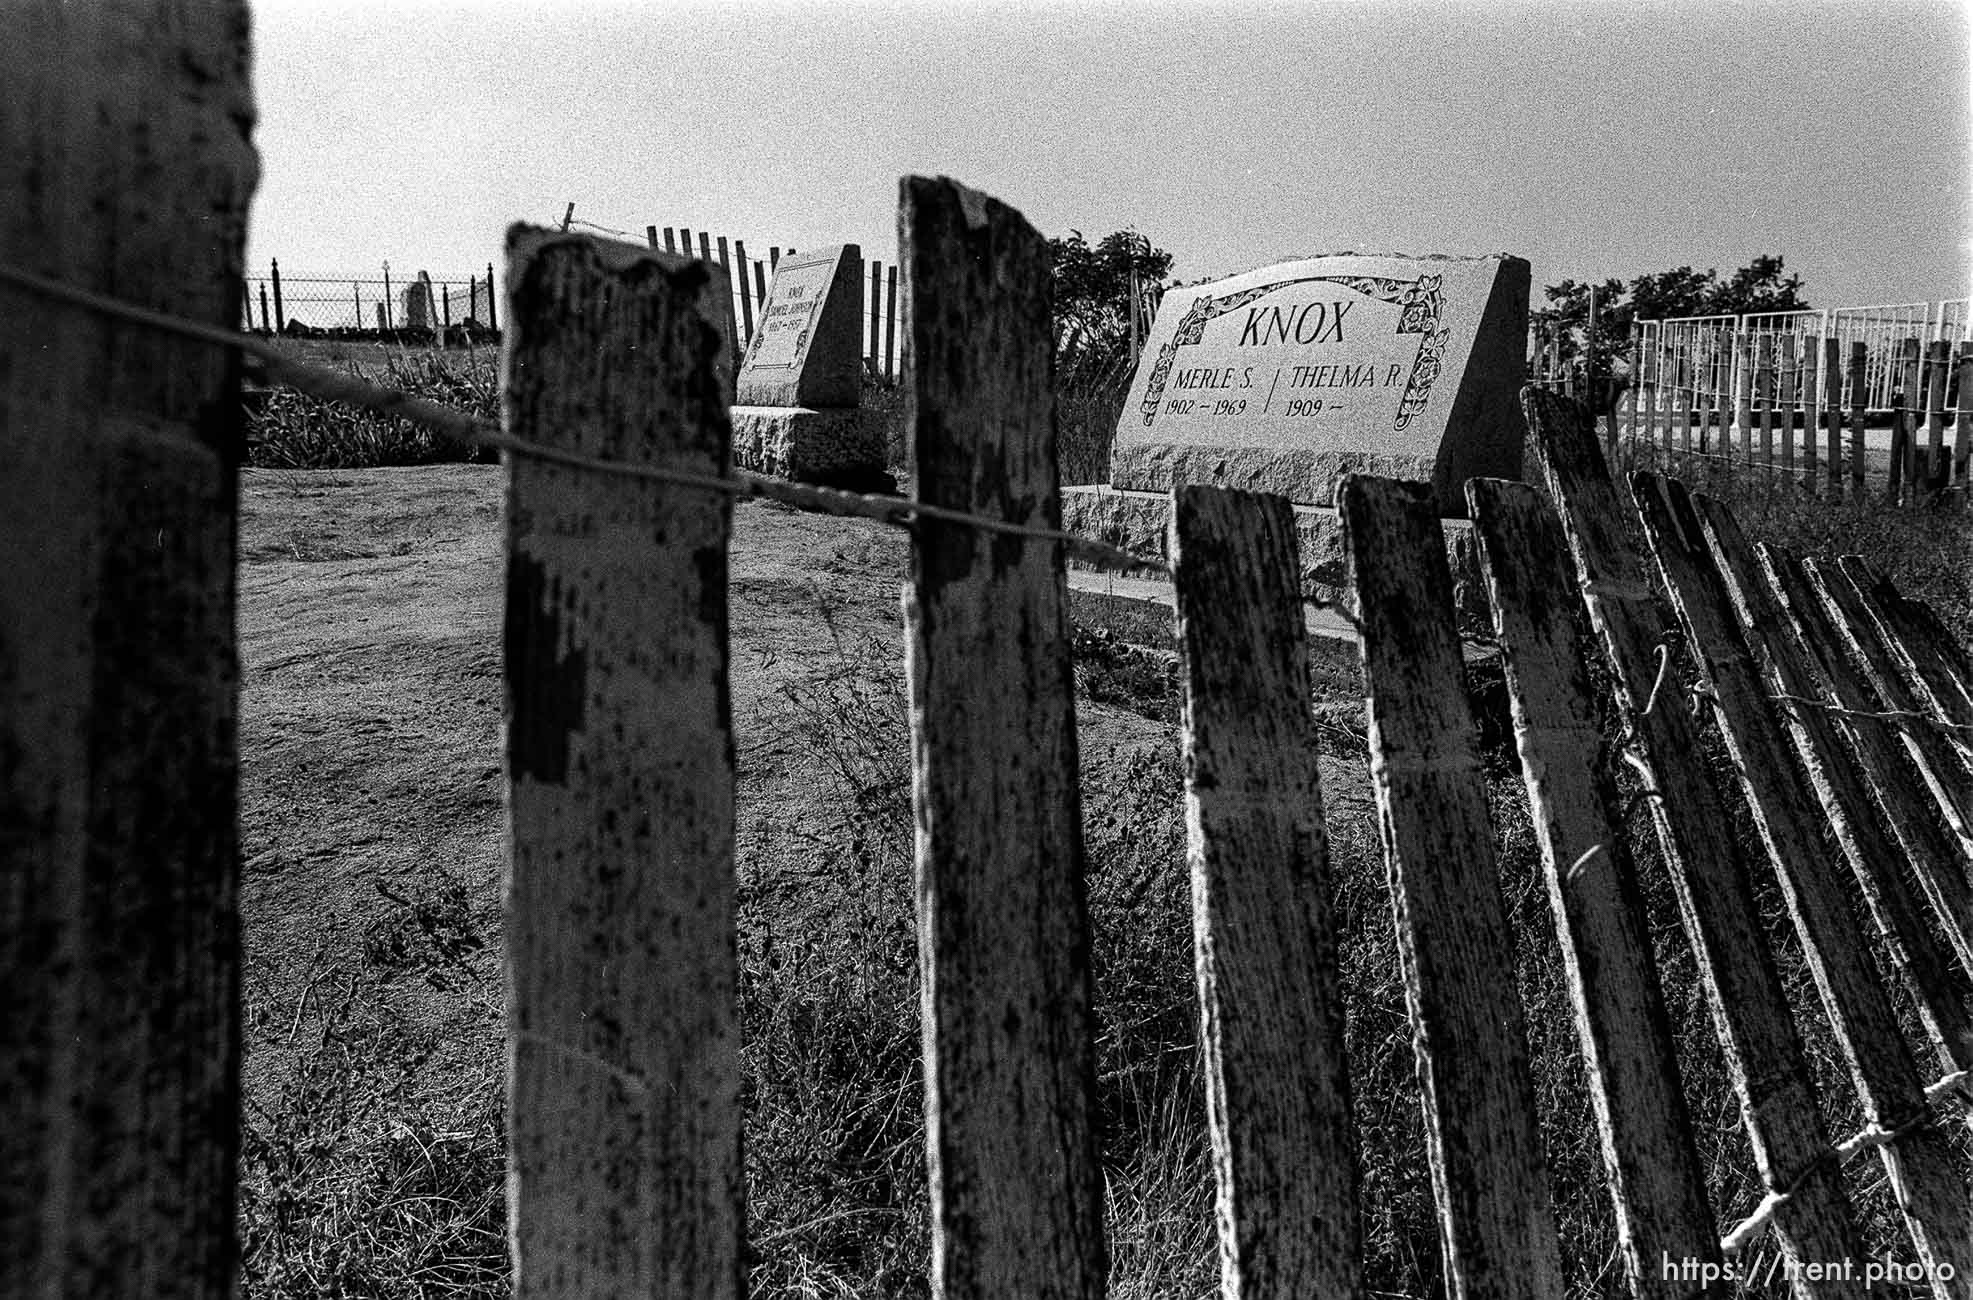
(1841, 705)
(1883, 415)
(748, 277)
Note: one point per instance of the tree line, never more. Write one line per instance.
(1093, 286)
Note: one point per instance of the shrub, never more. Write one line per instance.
(291, 430)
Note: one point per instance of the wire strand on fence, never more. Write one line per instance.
(1950, 1090)
(329, 386)
(607, 230)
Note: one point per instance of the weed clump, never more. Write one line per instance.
(291, 430)
(356, 1180)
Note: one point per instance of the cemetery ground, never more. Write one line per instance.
(372, 820)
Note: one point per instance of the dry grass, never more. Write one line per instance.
(1927, 549)
(364, 1179)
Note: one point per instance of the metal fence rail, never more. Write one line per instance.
(276, 304)
(1693, 353)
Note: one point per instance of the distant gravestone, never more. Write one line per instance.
(1284, 378)
(417, 298)
(798, 410)
(804, 349)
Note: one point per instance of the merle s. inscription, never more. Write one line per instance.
(1304, 346)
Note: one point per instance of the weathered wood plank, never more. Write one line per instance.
(1903, 479)
(1764, 392)
(1017, 1191)
(1569, 766)
(1945, 768)
(1858, 820)
(1938, 362)
(1934, 664)
(1787, 399)
(623, 1037)
(1937, 859)
(127, 164)
(1763, 1052)
(1859, 406)
(890, 324)
(1743, 395)
(1832, 394)
(1468, 1027)
(1962, 436)
(1264, 933)
(741, 263)
(1785, 816)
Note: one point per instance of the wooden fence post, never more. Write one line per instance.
(1904, 421)
(1688, 393)
(876, 309)
(623, 1034)
(1786, 416)
(1962, 438)
(1010, 1065)
(1467, 1024)
(1263, 926)
(127, 165)
(1764, 392)
(1703, 861)
(735, 345)
(492, 299)
(1938, 370)
(280, 311)
(1569, 767)
(890, 329)
(1832, 417)
(1743, 393)
(760, 287)
(746, 302)
(1859, 405)
(1811, 412)
(1785, 815)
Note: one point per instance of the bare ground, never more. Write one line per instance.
(372, 790)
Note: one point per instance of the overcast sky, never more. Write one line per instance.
(1595, 139)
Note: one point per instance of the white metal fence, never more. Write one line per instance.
(1696, 353)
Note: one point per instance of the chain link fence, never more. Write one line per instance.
(415, 307)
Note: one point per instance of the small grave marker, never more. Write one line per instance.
(804, 352)
(798, 411)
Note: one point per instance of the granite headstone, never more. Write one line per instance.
(804, 347)
(1284, 378)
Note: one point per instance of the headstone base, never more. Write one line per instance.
(842, 447)
(1139, 521)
